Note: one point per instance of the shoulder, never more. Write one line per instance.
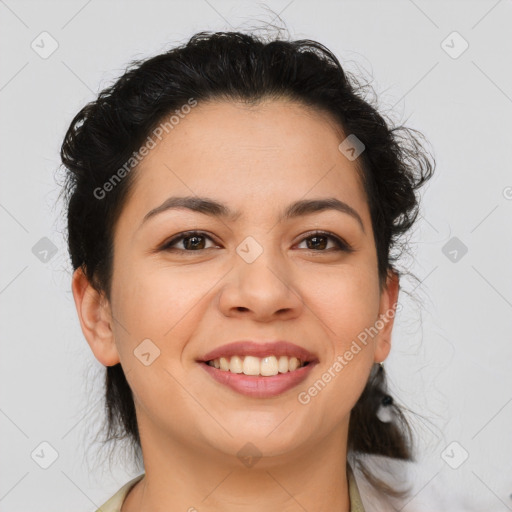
(356, 504)
(115, 502)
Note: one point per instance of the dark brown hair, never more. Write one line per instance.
(230, 65)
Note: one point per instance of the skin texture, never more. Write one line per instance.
(256, 159)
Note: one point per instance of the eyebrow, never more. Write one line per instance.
(214, 208)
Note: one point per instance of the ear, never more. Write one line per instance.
(387, 311)
(95, 319)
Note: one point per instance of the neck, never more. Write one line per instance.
(180, 477)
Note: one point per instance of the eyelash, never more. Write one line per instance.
(341, 245)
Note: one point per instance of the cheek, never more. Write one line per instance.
(346, 305)
(346, 300)
(162, 304)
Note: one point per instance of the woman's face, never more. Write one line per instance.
(255, 276)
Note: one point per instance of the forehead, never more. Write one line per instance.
(248, 156)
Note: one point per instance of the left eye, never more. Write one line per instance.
(319, 240)
(195, 241)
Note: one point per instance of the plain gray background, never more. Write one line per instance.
(451, 360)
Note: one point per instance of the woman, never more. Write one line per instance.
(233, 209)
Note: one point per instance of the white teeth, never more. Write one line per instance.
(283, 364)
(268, 366)
(250, 365)
(293, 364)
(236, 365)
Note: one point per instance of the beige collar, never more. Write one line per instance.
(115, 502)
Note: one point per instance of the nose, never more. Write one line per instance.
(262, 290)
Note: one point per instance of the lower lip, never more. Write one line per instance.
(259, 387)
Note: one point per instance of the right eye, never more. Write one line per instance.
(193, 242)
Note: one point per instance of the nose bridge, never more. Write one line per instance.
(260, 281)
(260, 259)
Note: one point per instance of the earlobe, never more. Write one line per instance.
(95, 319)
(387, 311)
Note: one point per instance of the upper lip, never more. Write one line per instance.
(259, 349)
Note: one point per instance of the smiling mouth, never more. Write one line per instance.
(257, 366)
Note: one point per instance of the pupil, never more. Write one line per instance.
(315, 244)
(193, 245)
